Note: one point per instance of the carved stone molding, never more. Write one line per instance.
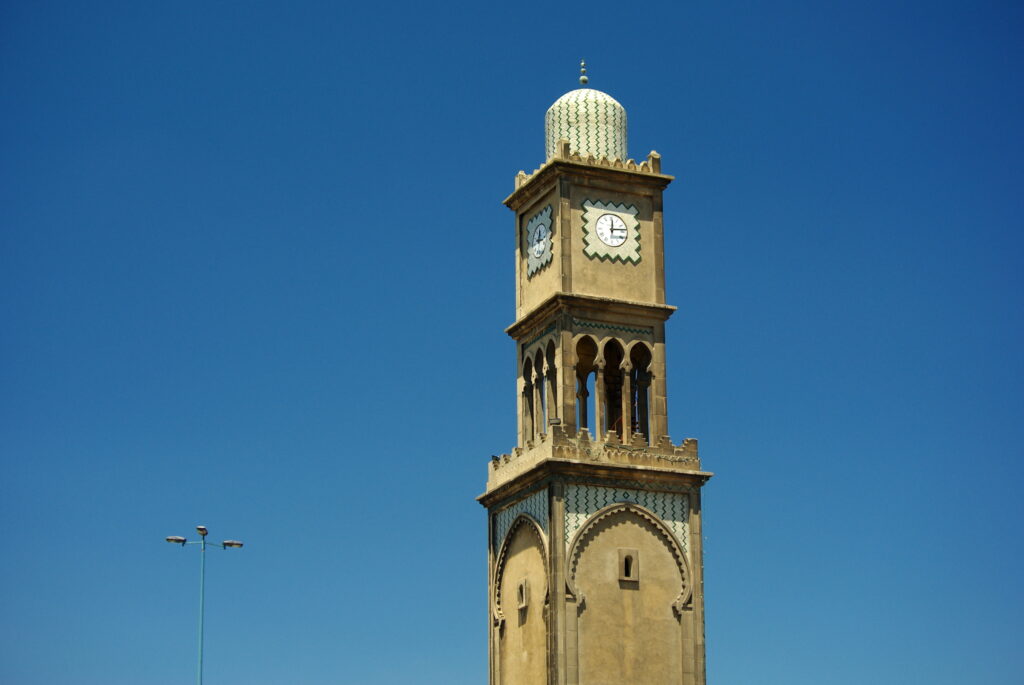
(499, 567)
(586, 534)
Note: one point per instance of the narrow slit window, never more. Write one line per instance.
(629, 565)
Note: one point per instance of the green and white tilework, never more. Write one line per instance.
(592, 121)
(583, 501)
(536, 505)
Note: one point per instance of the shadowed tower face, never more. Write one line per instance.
(595, 558)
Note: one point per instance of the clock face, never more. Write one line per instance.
(537, 241)
(611, 230)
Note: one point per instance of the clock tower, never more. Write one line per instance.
(594, 518)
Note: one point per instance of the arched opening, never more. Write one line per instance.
(552, 385)
(640, 387)
(613, 356)
(527, 401)
(586, 355)
(542, 395)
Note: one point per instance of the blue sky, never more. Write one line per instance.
(255, 269)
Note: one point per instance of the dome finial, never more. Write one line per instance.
(583, 73)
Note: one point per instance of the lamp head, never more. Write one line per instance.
(232, 543)
(202, 530)
(176, 539)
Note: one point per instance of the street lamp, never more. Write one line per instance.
(227, 544)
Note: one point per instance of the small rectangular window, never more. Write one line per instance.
(522, 594)
(629, 565)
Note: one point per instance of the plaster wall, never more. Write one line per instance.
(628, 631)
(635, 282)
(522, 637)
(535, 289)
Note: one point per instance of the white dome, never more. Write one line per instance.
(592, 121)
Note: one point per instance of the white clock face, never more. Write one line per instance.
(537, 241)
(611, 230)
(540, 237)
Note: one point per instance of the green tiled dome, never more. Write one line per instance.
(592, 121)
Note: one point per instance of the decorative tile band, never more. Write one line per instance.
(546, 331)
(612, 327)
(629, 484)
(583, 501)
(536, 505)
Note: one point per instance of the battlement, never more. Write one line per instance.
(652, 165)
(558, 445)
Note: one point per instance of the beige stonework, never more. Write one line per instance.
(645, 609)
(519, 606)
(595, 553)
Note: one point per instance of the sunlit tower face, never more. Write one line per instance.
(595, 556)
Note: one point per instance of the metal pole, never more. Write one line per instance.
(202, 590)
(227, 544)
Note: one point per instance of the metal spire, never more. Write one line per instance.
(583, 73)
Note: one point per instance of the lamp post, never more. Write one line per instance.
(227, 544)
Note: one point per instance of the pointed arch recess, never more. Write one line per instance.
(586, 352)
(585, 535)
(499, 567)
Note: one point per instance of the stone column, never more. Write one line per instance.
(521, 405)
(551, 385)
(627, 402)
(697, 568)
(527, 413)
(565, 367)
(546, 410)
(556, 579)
(538, 407)
(599, 401)
(643, 382)
(581, 401)
(659, 395)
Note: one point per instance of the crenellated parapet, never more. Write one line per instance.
(558, 445)
(651, 165)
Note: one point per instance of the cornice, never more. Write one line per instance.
(585, 469)
(565, 302)
(530, 186)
